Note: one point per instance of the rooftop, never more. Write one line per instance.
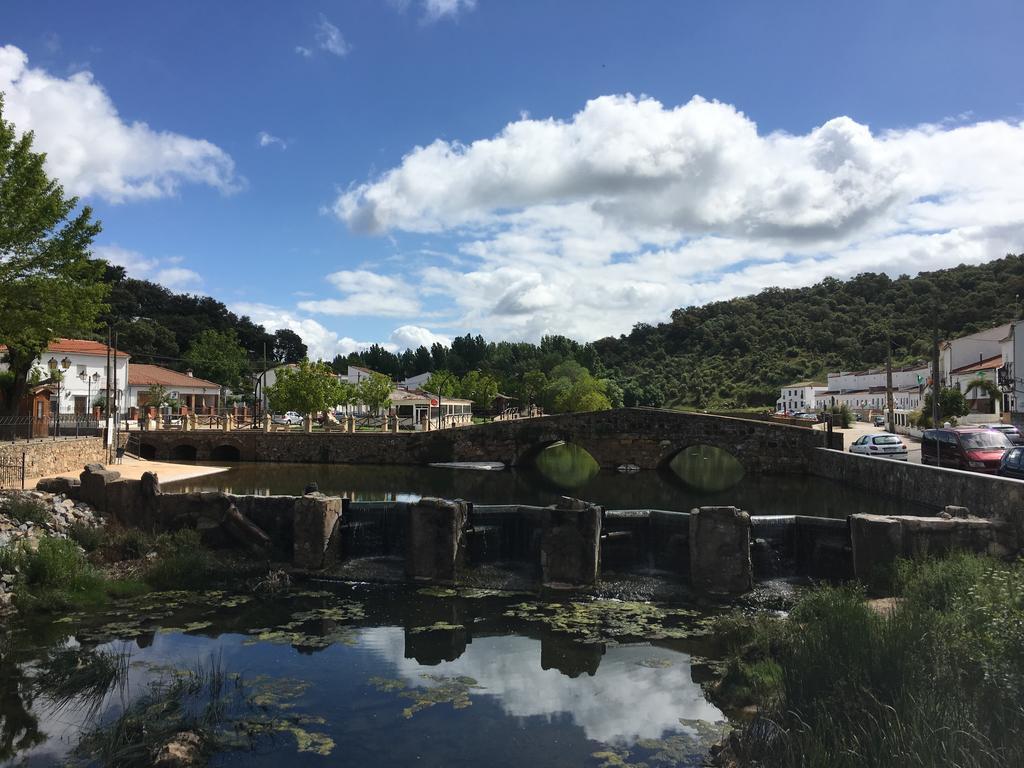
(989, 363)
(77, 346)
(140, 375)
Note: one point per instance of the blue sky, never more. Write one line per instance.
(570, 181)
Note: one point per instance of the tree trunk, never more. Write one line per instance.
(19, 363)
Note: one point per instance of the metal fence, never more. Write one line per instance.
(12, 473)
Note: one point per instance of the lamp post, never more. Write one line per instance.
(89, 380)
(58, 376)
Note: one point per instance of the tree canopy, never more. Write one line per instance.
(49, 287)
(217, 356)
(307, 388)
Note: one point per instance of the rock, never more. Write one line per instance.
(184, 749)
(68, 503)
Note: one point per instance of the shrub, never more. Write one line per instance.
(56, 575)
(25, 509)
(88, 537)
(181, 563)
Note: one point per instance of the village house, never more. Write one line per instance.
(83, 371)
(802, 396)
(198, 395)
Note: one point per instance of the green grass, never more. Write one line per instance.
(182, 563)
(938, 681)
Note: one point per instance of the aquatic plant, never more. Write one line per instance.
(70, 677)
(442, 689)
(610, 621)
(938, 680)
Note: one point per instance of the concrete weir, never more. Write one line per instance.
(721, 551)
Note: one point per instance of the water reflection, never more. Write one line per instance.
(566, 469)
(566, 465)
(707, 468)
(638, 692)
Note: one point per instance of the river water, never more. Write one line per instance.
(701, 476)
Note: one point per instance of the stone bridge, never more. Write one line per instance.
(645, 437)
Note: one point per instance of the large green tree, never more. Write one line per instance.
(217, 356)
(49, 287)
(307, 388)
(375, 392)
(288, 346)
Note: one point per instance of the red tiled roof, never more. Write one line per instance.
(79, 346)
(140, 375)
(982, 365)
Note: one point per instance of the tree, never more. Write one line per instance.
(307, 388)
(375, 392)
(156, 395)
(443, 383)
(480, 388)
(288, 347)
(217, 356)
(49, 287)
(952, 404)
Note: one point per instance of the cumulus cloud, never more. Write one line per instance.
(632, 208)
(322, 343)
(269, 140)
(366, 293)
(91, 149)
(165, 271)
(413, 336)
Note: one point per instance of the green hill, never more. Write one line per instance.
(739, 352)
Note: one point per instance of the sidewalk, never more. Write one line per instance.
(132, 469)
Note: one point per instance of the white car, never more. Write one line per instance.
(290, 417)
(880, 444)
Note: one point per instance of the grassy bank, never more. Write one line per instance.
(934, 679)
(97, 564)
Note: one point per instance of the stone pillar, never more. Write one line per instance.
(435, 540)
(315, 522)
(425, 422)
(351, 422)
(570, 551)
(395, 424)
(266, 422)
(720, 551)
(307, 423)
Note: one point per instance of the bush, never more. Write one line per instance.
(88, 537)
(938, 681)
(55, 576)
(26, 510)
(181, 563)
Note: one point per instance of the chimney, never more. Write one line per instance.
(189, 373)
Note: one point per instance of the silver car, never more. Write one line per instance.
(881, 444)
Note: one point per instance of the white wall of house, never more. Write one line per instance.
(78, 391)
(801, 397)
(903, 377)
(970, 349)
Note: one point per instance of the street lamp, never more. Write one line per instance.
(58, 376)
(90, 380)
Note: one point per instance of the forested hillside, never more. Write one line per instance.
(739, 352)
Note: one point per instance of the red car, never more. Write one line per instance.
(975, 449)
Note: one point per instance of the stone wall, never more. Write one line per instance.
(645, 437)
(984, 495)
(53, 457)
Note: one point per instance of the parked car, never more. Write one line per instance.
(289, 417)
(879, 421)
(883, 444)
(975, 449)
(1012, 464)
(1011, 432)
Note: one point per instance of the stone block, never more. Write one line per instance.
(316, 518)
(570, 551)
(720, 551)
(877, 541)
(93, 490)
(435, 539)
(66, 485)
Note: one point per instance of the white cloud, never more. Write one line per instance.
(178, 278)
(91, 149)
(630, 209)
(164, 271)
(322, 343)
(438, 9)
(366, 293)
(269, 140)
(327, 37)
(413, 336)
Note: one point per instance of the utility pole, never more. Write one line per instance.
(106, 400)
(936, 382)
(116, 405)
(891, 420)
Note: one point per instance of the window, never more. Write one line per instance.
(974, 441)
(1013, 458)
(83, 370)
(886, 440)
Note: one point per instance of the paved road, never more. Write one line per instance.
(860, 428)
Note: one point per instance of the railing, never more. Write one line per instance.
(12, 473)
(16, 428)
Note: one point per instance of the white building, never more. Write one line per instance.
(83, 367)
(1011, 375)
(199, 395)
(801, 396)
(907, 376)
(415, 382)
(957, 354)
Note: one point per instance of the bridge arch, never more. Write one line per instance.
(147, 451)
(184, 452)
(705, 467)
(226, 452)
